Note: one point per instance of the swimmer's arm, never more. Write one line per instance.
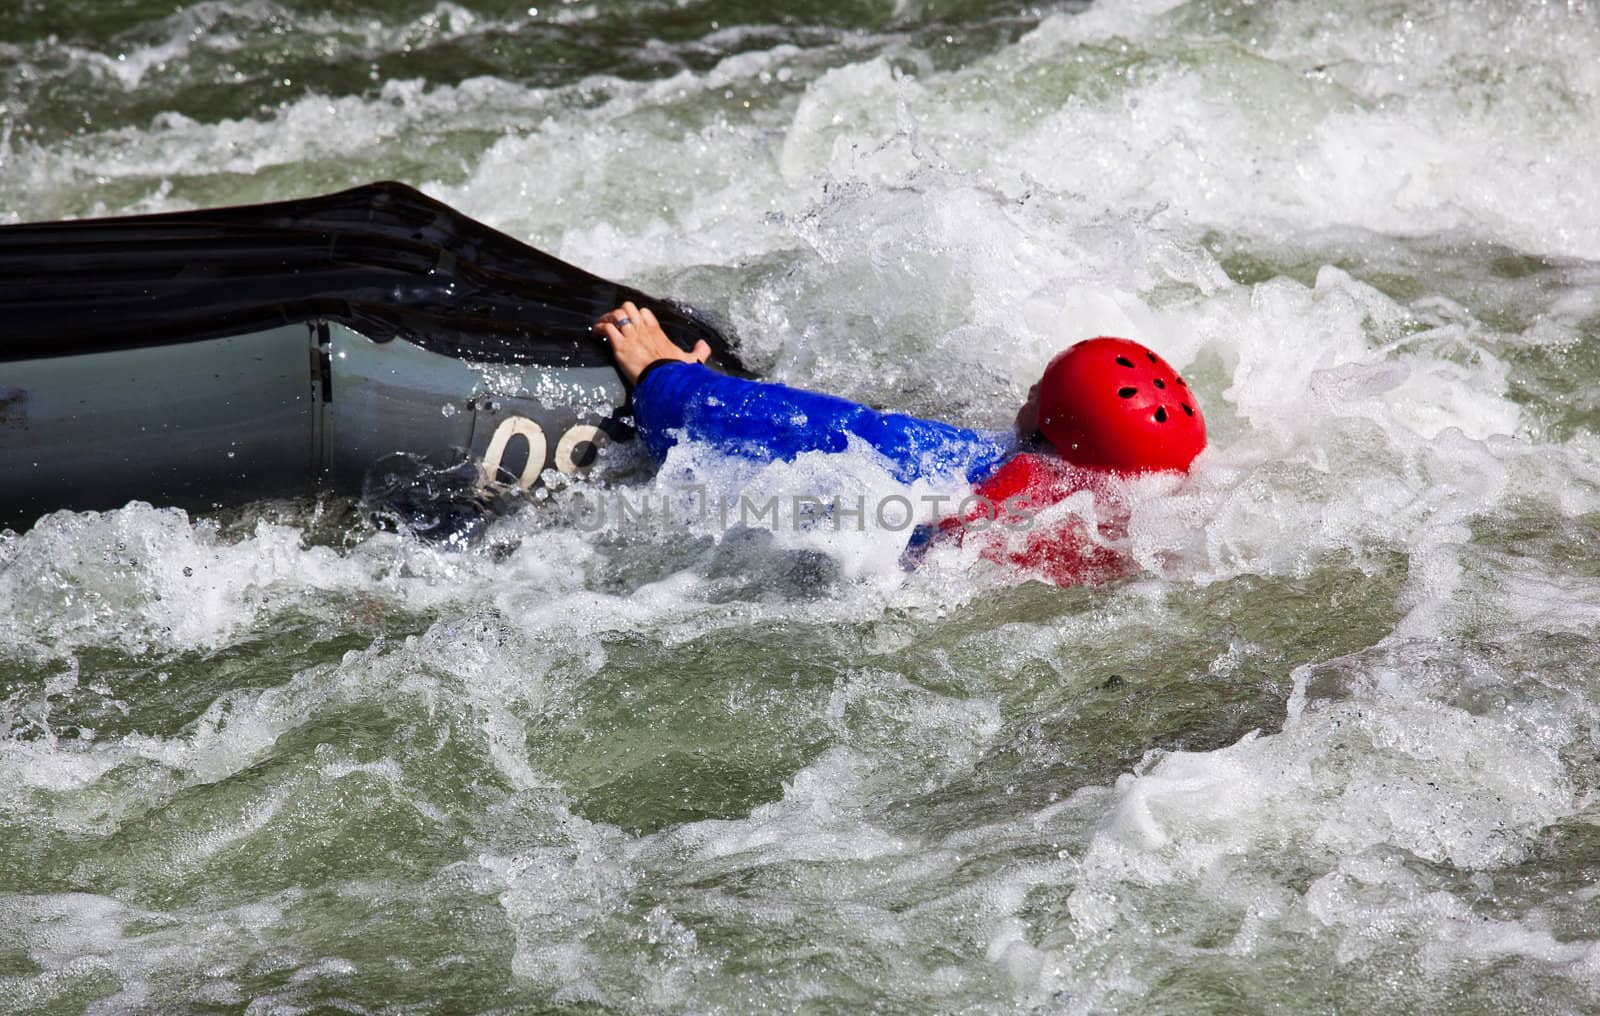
(766, 421)
(674, 393)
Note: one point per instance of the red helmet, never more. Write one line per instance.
(1112, 404)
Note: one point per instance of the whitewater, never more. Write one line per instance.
(1335, 748)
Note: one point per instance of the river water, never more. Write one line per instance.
(1334, 749)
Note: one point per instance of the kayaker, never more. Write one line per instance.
(1103, 407)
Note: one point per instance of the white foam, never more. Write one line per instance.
(555, 896)
(925, 240)
(141, 577)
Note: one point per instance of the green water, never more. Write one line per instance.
(1331, 750)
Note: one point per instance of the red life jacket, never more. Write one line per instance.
(1003, 521)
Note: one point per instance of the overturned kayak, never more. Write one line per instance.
(209, 358)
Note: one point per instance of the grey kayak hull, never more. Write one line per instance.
(284, 412)
(211, 357)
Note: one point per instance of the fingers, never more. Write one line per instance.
(636, 339)
(634, 325)
(612, 317)
(628, 315)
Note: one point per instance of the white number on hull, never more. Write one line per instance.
(509, 428)
(566, 448)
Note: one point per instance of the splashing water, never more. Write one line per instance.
(1334, 748)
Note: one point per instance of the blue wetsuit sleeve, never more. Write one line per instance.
(764, 421)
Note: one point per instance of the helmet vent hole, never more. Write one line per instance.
(1125, 361)
(1186, 410)
(1161, 414)
(1128, 392)
(1161, 384)
(1181, 382)
(1151, 356)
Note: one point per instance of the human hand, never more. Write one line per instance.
(637, 341)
